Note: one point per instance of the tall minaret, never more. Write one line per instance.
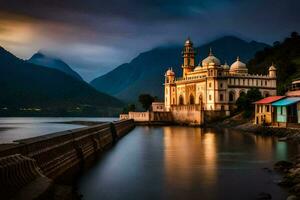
(188, 55)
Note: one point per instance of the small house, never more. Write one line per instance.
(264, 112)
(287, 111)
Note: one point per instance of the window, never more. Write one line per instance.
(267, 108)
(231, 96)
(209, 85)
(281, 110)
(209, 97)
(266, 82)
(222, 107)
(221, 97)
(221, 85)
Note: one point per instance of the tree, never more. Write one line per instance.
(245, 101)
(146, 100)
(128, 108)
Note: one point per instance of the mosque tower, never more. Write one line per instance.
(188, 55)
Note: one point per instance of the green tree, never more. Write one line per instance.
(245, 102)
(128, 108)
(146, 100)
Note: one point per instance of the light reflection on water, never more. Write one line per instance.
(186, 163)
(15, 128)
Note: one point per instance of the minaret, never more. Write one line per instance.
(170, 93)
(188, 55)
(272, 71)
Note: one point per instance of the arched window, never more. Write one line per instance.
(192, 99)
(181, 101)
(267, 94)
(231, 96)
(221, 97)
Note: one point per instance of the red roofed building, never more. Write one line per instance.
(264, 112)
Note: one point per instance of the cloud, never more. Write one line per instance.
(94, 36)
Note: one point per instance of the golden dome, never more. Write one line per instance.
(226, 66)
(211, 59)
(170, 72)
(238, 67)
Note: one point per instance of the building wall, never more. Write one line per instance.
(139, 116)
(216, 91)
(281, 114)
(187, 114)
(264, 113)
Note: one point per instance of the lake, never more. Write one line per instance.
(15, 128)
(171, 162)
(187, 163)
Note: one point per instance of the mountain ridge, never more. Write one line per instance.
(29, 86)
(145, 72)
(44, 60)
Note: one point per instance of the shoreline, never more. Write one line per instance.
(289, 169)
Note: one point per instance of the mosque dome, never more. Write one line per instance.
(238, 67)
(211, 59)
(272, 68)
(170, 72)
(226, 66)
(198, 68)
(188, 41)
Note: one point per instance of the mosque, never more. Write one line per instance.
(212, 85)
(206, 91)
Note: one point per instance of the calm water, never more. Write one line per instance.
(186, 163)
(14, 128)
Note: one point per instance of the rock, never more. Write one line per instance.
(283, 166)
(264, 196)
(295, 189)
(292, 197)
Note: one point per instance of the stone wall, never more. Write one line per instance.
(188, 114)
(56, 153)
(139, 116)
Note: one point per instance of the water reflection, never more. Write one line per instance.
(187, 163)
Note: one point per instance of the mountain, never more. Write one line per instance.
(145, 73)
(30, 89)
(55, 63)
(286, 57)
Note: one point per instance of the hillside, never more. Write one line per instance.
(44, 60)
(286, 57)
(29, 89)
(145, 73)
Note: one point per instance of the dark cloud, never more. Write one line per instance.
(96, 35)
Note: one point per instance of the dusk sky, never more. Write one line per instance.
(94, 36)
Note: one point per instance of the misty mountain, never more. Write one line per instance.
(145, 73)
(55, 63)
(26, 87)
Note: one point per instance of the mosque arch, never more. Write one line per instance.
(231, 96)
(181, 100)
(192, 99)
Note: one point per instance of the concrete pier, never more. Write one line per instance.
(36, 161)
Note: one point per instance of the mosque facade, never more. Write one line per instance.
(211, 86)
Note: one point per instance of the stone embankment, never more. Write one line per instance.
(291, 176)
(28, 167)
